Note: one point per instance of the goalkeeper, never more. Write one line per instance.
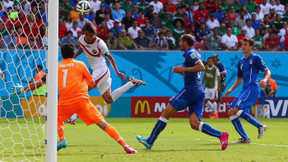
(73, 82)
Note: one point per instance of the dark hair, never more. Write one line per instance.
(69, 31)
(210, 58)
(248, 20)
(90, 28)
(40, 67)
(188, 38)
(67, 50)
(215, 56)
(202, 23)
(75, 22)
(249, 40)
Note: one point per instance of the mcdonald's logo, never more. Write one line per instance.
(142, 105)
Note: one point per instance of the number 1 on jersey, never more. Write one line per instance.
(65, 71)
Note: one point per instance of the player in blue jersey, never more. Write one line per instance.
(248, 69)
(191, 96)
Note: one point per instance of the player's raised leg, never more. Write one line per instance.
(111, 97)
(158, 128)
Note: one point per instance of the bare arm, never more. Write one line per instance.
(224, 72)
(134, 44)
(33, 86)
(267, 76)
(237, 82)
(197, 68)
(157, 46)
(79, 52)
(113, 63)
(122, 46)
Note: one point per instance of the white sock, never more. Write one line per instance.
(119, 91)
(73, 117)
(215, 107)
(209, 104)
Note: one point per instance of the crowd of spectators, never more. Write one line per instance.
(151, 25)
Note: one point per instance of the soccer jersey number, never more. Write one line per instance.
(65, 71)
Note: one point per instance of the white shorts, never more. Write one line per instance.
(102, 79)
(211, 94)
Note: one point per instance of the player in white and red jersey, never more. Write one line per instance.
(95, 49)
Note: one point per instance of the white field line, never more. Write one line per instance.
(186, 139)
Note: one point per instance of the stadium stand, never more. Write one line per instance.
(264, 20)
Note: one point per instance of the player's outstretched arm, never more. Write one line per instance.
(267, 76)
(113, 63)
(18, 89)
(80, 51)
(237, 82)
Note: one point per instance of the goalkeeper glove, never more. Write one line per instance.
(17, 89)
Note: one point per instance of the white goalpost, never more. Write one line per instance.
(28, 40)
(52, 80)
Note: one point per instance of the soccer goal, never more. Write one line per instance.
(28, 49)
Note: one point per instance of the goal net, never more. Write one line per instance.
(23, 46)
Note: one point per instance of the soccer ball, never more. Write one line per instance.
(83, 7)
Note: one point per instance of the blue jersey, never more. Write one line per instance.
(192, 95)
(249, 68)
(192, 78)
(221, 68)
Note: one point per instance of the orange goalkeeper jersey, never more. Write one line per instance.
(72, 81)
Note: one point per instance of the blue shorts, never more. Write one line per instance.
(246, 99)
(191, 99)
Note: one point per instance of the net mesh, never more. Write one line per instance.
(22, 54)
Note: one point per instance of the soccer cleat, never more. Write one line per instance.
(130, 150)
(214, 116)
(224, 140)
(244, 141)
(261, 131)
(61, 144)
(136, 82)
(69, 121)
(144, 142)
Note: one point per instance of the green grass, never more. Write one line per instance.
(178, 142)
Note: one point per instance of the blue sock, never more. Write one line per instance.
(208, 129)
(238, 126)
(158, 128)
(249, 118)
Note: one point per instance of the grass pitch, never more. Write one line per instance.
(178, 142)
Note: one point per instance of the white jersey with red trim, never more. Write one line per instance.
(94, 52)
